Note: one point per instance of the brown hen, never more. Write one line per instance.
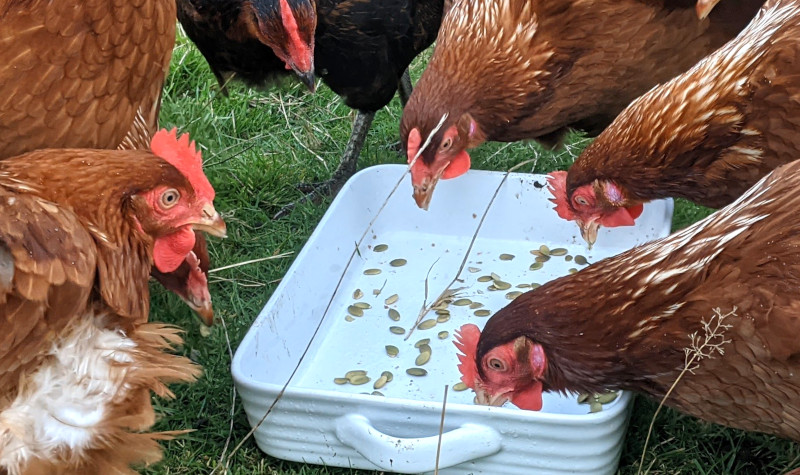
(723, 289)
(78, 362)
(506, 70)
(706, 135)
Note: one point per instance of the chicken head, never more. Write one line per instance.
(601, 203)
(512, 371)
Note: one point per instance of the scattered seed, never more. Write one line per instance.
(205, 331)
(491, 287)
(355, 311)
(362, 305)
(536, 266)
(340, 380)
(506, 257)
(392, 350)
(513, 295)
(535, 286)
(583, 398)
(524, 286)
(482, 313)
(502, 285)
(542, 259)
(559, 251)
(372, 272)
(442, 335)
(473, 269)
(495, 276)
(595, 407)
(389, 376)
(398, 262)
(380, 247)
(443, 312)
(359, 380)
(394, 314)
(537, 253)
(475, 305)
(355, 372)
(443, 318)
(462, 302)
(377, 393)
(357, 294)
(484, 278)
(397, 330)
(349, 318)
(606, 397)
(427, 324)
(573, 270)
(581, 260)
(568, 258)
(459, 386)
(421, 342)
(392, 299)
(422, 358)
(416, 371)
(380, 382)
(376, 291)
(425, 348)
(544, 250)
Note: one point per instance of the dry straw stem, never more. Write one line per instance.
(701, 347)
(441, 431)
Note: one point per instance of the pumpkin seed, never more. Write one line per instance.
(573, 270)
(380, 382)
(482, 313)
(496, 277)
(535, 286)
(583, 398)
(502, 285)
(359, 380)
(357, 294)
(389, 376)
(398, 262)
(535, 266)
(422, 358)
(355, 311)
(462, 302)
(559, 251)
(581, 260)
(391, 299)
(423, 341)
(475, 305)
(380, 247)
(537, 253)
(394, 314)
(568, 258)
(416, 371)
(377, 393)
(355, 372)
(425, 348)
(443, 312)
(506, 257)
(484, 278)
(372, 272)
(442, 318)
(392, 350)
(595, 407)
(442, 335)
(491, 288)
(473, 269)
(544, 250)
(459, 386)
(542, 259)
(606, 397)
(340, 381)
(427, 324)
(362, 305)
(349, 318)
(524, 286)
(397, 330)
(205, 331)
(513, 295)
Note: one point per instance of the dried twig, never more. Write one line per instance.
(252, 261)
(233, 397)
(441, 431)
(701, 347)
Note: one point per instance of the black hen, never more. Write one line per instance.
(361, 49)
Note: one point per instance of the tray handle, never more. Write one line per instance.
(468, 442)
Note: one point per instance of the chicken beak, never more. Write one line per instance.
(211, 222)
(307, 78)
(204, 309)
(484, 398)
(704, 7)
(423, 192)
(589, 231)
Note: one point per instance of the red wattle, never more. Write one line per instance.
(170, 251)
(458, 166)
(529, 398)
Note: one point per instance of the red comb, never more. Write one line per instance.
(184, 156)
(557, 186)
(467, 343)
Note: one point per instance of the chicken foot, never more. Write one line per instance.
(346, 168)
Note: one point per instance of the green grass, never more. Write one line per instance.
(257, 146)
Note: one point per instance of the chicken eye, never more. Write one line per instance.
(497, 364)
(581, 201)
(169, 198)
(446, 144)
